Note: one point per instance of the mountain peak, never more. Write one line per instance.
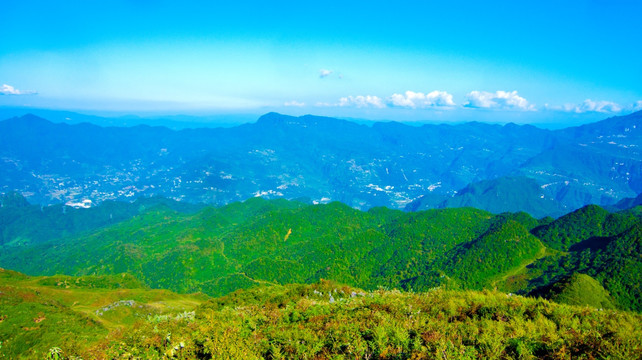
(577, 289)
(27, 120)
(276, 119)
(13, 199)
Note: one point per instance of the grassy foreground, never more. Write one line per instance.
(72, 314)
(318, 321)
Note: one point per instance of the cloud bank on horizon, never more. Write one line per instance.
(374, 62)
(497, 101)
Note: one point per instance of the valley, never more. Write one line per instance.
(318, 160)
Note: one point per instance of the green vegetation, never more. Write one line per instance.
(24, 224)
(267, 242)
(586, 224)
(260, 279)
(503, 247)
(40, 313)
(219, 250)
(324, 320)
(578, 289)
(327, 321)
(257, 256)
(614, 261)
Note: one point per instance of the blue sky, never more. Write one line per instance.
(545, 61)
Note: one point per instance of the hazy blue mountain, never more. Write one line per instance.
(175, 122)
(324, 159)
(597, 160)
(499, 195)
(628, 203)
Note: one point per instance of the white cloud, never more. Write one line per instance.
(323, 73)
(10, 90)
(593, 106)
(497, 100)
(637, 106)
(420, 100)
(294, 103)
(362, 101)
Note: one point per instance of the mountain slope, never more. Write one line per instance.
(22, 223)
(505, 194)
(505, 246)
(589, 224)
(628, 203)
(38, 314)
(220, 250)
(258, 242)
(64, 318)
(601, 245)
(577, 289)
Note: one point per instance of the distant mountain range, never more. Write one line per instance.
(175, 122)
(318, 160)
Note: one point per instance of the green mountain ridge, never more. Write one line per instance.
(503, 247)
(22, 223)
(259, 242)
(577, 289)
(583, 224)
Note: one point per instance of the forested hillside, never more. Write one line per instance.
(258, 242)
(22, 223)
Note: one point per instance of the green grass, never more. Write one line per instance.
(579, 289)
(301, 322)
(39, 313)
(517, 278)
(324, 320)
